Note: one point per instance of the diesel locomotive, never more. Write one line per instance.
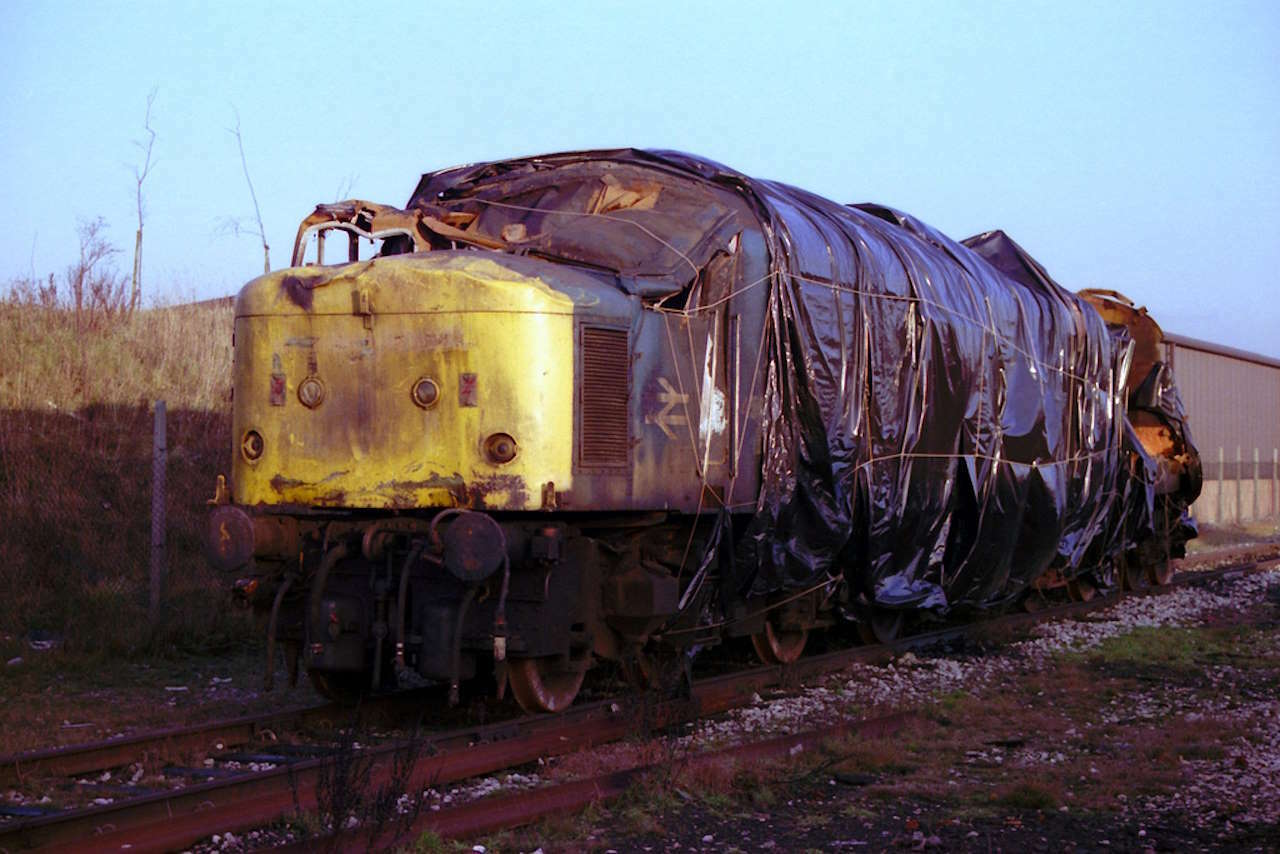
(622, 405)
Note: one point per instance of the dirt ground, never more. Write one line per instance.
(816, 818)
(48, 700)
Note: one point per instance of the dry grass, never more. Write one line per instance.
(52, 363)
(75, 472)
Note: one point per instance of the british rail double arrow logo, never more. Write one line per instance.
(668, 416)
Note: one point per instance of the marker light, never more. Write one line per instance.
(500, 448)
(252, 445)
(311, 392)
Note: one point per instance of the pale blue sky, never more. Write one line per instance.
(1133, 146)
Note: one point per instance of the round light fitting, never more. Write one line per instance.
(500, 448)
(425, 392)
(311, 392)
(252, 445)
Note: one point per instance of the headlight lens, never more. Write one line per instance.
(426, 392)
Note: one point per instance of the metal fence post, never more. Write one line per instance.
(1255, 483)
(1222, 485)
(158, 457)
(1275, 463)
(1239, 468)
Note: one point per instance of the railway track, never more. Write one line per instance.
(498, 813)
(178, 818)
(17, 769)
(232, 737)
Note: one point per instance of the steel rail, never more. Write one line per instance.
(68, 760)
(167, 820)
(17, 768)
(502, 812)
(177, 819)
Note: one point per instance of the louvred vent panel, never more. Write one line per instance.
(604, 440)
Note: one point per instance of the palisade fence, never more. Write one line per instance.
(1240, 485)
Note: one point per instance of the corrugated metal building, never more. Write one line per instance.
(1233, 401)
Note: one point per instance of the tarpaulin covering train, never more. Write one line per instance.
(941, 423)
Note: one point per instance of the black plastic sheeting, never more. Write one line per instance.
(942, 423)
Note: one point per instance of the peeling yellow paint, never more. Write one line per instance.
(368, 444)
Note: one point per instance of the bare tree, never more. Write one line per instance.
(140, 174)
(236, 225)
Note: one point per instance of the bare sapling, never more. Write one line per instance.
(237, 225)
(140, 175)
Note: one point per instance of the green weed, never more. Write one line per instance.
(1028, 796)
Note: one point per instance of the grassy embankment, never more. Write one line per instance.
(76, 391)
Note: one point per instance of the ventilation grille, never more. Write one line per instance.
(603, 439)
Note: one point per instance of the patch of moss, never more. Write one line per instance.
(717, 801)
(431, 843)
(1182, 648)
(810, 821)
(1028, 796)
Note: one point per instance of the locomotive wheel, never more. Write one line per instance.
(1079, 590)
(1159, 572)
(882, 626)
(1134, 575)
(775, 646)
(544, 684)
(344, 688)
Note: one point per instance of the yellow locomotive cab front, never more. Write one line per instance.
(432, 380)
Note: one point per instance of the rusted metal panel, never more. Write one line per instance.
(668, 383)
